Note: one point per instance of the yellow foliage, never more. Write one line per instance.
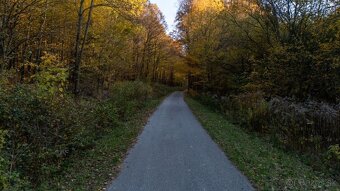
(211, 5)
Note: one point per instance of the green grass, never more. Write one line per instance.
(267, 167)
(95, 169)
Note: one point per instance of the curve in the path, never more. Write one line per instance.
(174, 153)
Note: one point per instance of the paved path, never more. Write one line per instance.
(174, 153)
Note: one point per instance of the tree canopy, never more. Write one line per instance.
(97, 41)
(283, 48)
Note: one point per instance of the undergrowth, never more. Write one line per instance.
(267, 166)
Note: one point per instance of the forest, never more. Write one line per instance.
(72, 71)
(60, 61)
(271, 66)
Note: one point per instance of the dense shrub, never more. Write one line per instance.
(42, 131)
(129, 96)
(41, 134)
(308, 125)
(251, 110)
(161, 90)
(312, 127)
(41, 128)
(9, 177)
(305, 125)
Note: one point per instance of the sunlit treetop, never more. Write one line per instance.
(203, 5)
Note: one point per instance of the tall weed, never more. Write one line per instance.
(310, 126)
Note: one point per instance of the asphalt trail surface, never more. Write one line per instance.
(175, 153)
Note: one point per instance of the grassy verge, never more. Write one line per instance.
(267, 167)
(95, 168)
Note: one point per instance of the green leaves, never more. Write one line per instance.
(129, 96)
(51, 77)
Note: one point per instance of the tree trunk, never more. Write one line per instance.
(80, 44)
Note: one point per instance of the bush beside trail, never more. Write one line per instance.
(309, 127)
(39, 132)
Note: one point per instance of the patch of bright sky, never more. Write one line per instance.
(169, 9)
